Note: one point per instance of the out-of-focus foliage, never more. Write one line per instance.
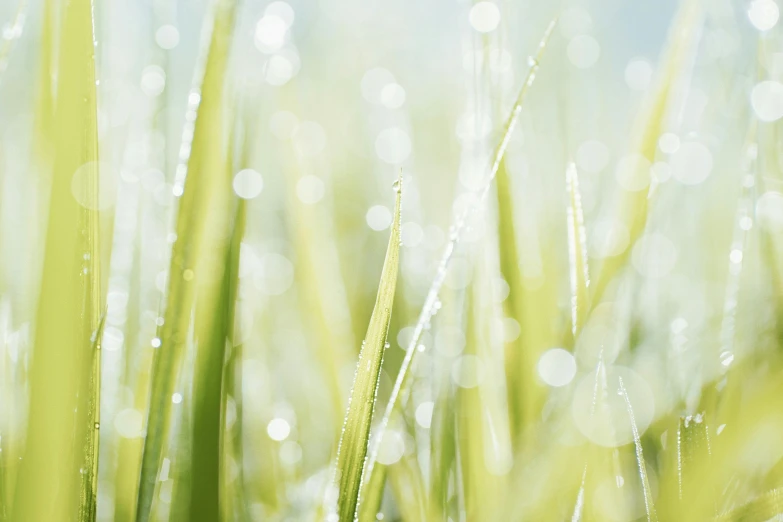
(195, 202)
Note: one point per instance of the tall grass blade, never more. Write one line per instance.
(89, 503)
(432, 300)
(205, 177)
(632, 206)
(69, 306)
(355, 438)
(577, 252)
(214, 326)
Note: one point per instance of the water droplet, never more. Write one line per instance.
(726, 358)
(397, 185)
(97, 425)
(532, 62)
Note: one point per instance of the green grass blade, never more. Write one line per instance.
(215, 321)
(205, 170)
(355, 438)
(648, 496)
(432, 300)
(69, 306)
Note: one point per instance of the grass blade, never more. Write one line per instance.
(648, 497)
(89, 506)
(69, 306)
(577, 252)
(215, 321)
(632, 206)
(692, 450)
(355, 438)
(761, 509)
(205, 169)
(432, 301)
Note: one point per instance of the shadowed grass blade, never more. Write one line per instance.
(214, 325)
(355, 438)
(205, 176)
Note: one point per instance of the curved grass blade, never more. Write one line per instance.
(632, 206)
(205, 173)
(355, 438)
(432, 300)
(70, 298)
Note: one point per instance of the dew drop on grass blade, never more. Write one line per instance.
(432, 301)
(355, 437)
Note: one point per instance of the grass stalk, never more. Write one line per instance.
(355, 438)
(70, 299)
(205, 177)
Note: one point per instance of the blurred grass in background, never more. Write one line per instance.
(195, 204)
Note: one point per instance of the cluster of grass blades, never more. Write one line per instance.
(474, 419)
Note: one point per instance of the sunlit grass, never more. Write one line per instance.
(570, 302)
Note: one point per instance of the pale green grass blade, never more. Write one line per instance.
(528, 307)
(204, 178)
(768, 506)
(631, 208)
(647, 491)
(355, 438)
(577, 252)
(482, 429)
(409, 490)
(432, 301)
(69, 305)
(372, 495)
